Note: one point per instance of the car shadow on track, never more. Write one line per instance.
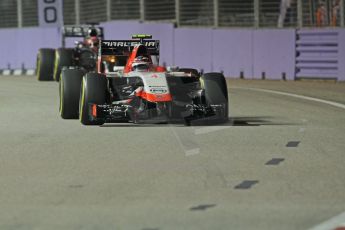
(233, 121)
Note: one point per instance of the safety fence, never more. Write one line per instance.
(185, 13)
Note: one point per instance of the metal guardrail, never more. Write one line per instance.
(196, 13)
(278, 13)
(236, 13)
(206, 13)
(124, 9)
(29, 12)
(69, 12)
(92, 11)
(8, 16)
(159, 10)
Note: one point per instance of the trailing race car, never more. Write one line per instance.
(51, 61)
(140, 90)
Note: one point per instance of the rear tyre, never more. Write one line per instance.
(69, 88)
(63, 57)
(45, 64)
(93, 91)
(216, 92)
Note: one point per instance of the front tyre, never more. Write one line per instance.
(69, 88)
(216, 92)
(45, 64)
(93, 91)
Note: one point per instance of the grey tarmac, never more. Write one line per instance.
(58, 174)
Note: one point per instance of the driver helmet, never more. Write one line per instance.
(141, 63)
(92, 32)
(92, 40)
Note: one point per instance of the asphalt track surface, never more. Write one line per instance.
(277, 164)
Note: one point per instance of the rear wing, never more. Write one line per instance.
(124, 47)
(79, 31)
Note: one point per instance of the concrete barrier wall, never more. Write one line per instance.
(234, 51)
(274, 53)
(19, 46)
(341, 56)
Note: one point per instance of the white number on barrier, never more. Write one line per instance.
(50, 15)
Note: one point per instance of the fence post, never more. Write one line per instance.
(20, 13)
(299, 14)
(215, 13)
(77, 12)
(177, 12)
(108, 10)
(256, 13)
(142, 10)
(342, 12)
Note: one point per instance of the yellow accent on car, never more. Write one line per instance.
(143, 36)
(61, 96)
(81, 103)
(202, 83)
(56, 63)
(38, 67)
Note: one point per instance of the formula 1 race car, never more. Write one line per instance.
(136, 89)
(51, 61)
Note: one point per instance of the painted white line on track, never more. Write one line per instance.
(209, 129)
(335, 104)
(301, 130)
(331, 224)
(192, 152)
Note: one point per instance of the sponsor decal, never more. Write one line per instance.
(127, 43)
(158, 90)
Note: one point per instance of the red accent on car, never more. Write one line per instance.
(161, 69)
(94, 110)
(156, 97)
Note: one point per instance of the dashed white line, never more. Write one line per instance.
(192, 152)
(209, 129)
(332, 103)
(301, 130)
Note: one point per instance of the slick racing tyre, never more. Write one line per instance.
(194, 72)
(63, 57)
(216, 92)
(45, 64)
(69, 90)
(93, 91)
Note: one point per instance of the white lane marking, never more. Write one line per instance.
(30, 72)
(301, 130)
(209, 129)
(331, 224)
(6, 72)
(335, 104)
(192, 152)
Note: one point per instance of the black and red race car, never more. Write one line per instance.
(51, 61)
(130, 86)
